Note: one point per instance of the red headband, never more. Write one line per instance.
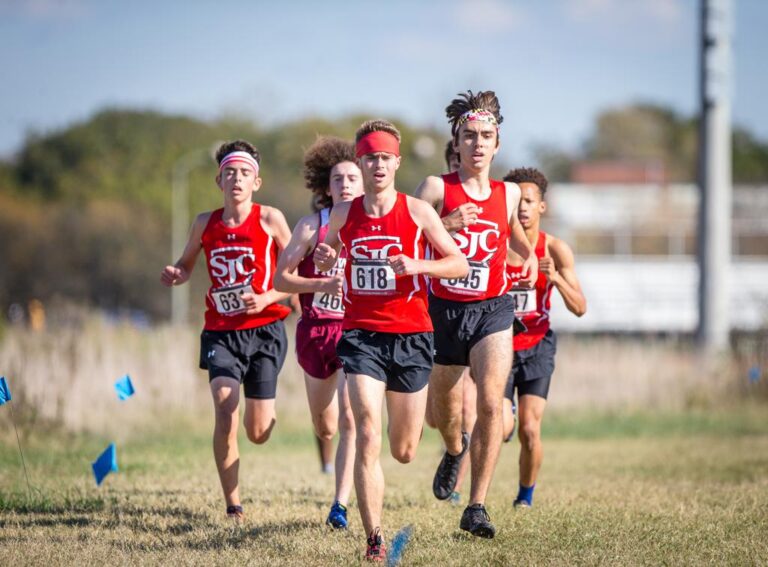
(377, 141)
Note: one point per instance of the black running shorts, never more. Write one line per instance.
(532, 369)
(402, 361)
(253, 357)
(461, 325)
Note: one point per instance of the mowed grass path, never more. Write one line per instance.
(652, 489)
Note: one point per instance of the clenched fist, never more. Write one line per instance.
(324, 257)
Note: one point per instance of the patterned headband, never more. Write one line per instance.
(477, 115)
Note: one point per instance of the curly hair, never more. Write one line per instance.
(483, 100)
(528, 175)
(237, 146)
(319, 160)
(377, 125)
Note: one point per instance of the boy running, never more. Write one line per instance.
(386, 344)
(535, 348)
(331, 173)
(474, 315)
(243, 340)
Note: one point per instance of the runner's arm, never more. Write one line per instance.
(327, 252)
(518, 242)
(302, 242)
(453, 264)
(432, 190)
(275, 224)
(180, 272)
(560, 270)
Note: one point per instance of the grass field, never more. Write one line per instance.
(653, 456)
(651, 488)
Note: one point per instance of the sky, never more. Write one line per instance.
(554, 64)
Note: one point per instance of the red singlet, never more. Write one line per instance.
(319, 305)
(375, 299)
(483, 243)
(240, 259)
(532, 305)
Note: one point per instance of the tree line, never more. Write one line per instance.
(85, 212)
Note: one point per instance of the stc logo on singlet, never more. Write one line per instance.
(375, 247)
(231, 264)
(480, 238)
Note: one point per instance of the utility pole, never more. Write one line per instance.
(714, 173)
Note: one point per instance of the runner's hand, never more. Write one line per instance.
(403, 265)
(324, 257)
(333, 285)
(460, 217)
(547, 267)
(254, 303)
(530, 272)
(173, 275)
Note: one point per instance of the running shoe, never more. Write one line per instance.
(337, 517)
(454, 498)
(448, 470)
(376, 550)
(235, 513)
(476, 521)
(521, 504)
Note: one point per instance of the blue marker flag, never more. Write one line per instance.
(398, 546)
(105, 464)
(124, 388)
(5, 393)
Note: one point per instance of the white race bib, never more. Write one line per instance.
(327, 302)
(476, 281)
(228, 300)
(524, 301)
(375, 277)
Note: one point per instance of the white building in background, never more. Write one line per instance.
(634, 247)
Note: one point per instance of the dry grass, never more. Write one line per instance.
(692, 499)
(645, 464)
(65, 377)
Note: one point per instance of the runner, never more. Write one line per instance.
(386, 344)
(243, 340)
(474, 315)
(535, 348)
(332, 175)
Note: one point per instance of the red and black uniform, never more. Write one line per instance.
(466, 310)
(534, 348)
(483, 243)
(319, 328)
(248, 348)
(387, 329)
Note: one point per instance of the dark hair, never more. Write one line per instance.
(449, 153)
(237, 146)
(319, 160)
(376, 126)
(528, 175)
(483, 100)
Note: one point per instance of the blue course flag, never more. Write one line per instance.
(105, 464)
(124, 388)
(5, 393)
(398, 546)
